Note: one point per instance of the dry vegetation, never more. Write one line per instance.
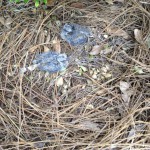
(84, 111)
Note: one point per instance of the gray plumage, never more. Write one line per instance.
(51, 62)
(75, 34)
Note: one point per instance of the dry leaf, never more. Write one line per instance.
(48, 37)
(77, 5)
(88, 125)
(131, 134)
(117, 32)
(126, 92)
(84, 69)
(2, 20)
(148, 41)
(109, 2)
(107, 75)
(96, 49)
(56, 45)
(46, 49)
(32, 49)
(138, 35)
(138, 70)
(60, 81)
(41, 37)
(124, 86)
(126, 97)
(34, 10)
(8, 21)
(100, 92)
(50, 2)
(89, 106)
(107, 50)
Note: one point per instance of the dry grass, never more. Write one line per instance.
(89, 114)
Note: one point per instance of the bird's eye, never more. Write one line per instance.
(68, 28)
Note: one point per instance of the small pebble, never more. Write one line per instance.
(105, 36)
(65, 86)
(64, 91)
(89, 106)
(104, 69)
(59, 81)
(94, 76)
(98, 71)
(95, 72)
(89, 82)
(91, 72)
(83, 87)
(108, 75)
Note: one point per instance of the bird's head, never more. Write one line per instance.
(68, 28)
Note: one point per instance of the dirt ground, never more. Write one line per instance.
(101, 101)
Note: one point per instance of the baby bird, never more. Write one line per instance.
(75, 34)
(51, 62)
